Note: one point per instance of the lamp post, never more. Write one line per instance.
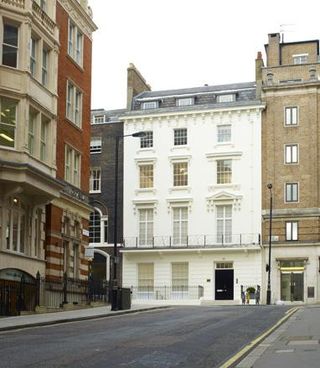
(114, 294)
(268, 268)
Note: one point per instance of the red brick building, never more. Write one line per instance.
(67, 217)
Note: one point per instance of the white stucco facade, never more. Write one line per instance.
(222, 220)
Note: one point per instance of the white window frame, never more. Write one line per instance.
(147, 140)
(180, 137)
(75, 42)
(299, 59)
(34, 43)
(224, 176)
(180, 173)
(227, 97)
(95, 180)
(44, 137)
(74, 100)
(179, 280)
(98, 119)
(291, 192)
(224, 133)
(145, 226)
(291, 116)
(148, 105)
(180, 225)
(146, 175)
(11, 46)
(72, 172)
(3, 125)
(291, 154)
(185, 101)
(292, 231)
(145, 279)
(96, 145)
(224, 224)
(45, 66)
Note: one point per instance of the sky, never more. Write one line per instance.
(188, 43)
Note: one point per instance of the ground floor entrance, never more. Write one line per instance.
(223, 284)
(292, 286)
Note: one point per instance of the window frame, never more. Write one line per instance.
(222, 132)
(292, 230)
(97, 148)
(185, 101)
(95, 180)
(146, 178)
(149, 105)
(180, 225)
(75, 48)
(12, 46)
(74, 104)
(291, 116)
(224, 235)
(180, 137)
(291, 154)
(147, 140)
(180, 170)
(72, 169)
(145, 226)
(223, 176)
(226, 97)
(289, 189)
(9, 126)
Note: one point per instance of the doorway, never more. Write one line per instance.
(292, 286)
(224, 284)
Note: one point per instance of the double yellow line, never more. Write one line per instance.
(244, 351)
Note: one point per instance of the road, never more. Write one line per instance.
(183, 337)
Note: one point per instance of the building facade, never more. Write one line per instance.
(67, 230)
(289, 84)
(192, 205)
(28, 104)
(105, 127)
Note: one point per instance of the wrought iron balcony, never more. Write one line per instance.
(194, 241)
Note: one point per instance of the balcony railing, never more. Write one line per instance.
(194, 241)
(167, 292)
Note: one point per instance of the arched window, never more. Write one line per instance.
(95, 227)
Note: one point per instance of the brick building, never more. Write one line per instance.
(68, 216)
(289, 85)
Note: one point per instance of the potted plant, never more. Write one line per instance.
(251, 291)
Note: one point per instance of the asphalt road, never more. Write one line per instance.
(188, 337)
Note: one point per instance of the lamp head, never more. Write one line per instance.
(139, 134)
(269, 186)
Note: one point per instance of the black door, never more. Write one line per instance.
(224, 285)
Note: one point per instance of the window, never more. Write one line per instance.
(224, 224)
(291, 192)
(185, 101)
(291, 153)
(44, 137)
(147, 140)
(180, 137)
(95, 145)
(10, 45)
(180, 174)
(300, 59)
(145, 226)
(75, 43)
(31, 131)
(224, 133)
(95, 227)
(75, 260)
(45, 62)
(95, 180)
(291, 115)
(72, 166)
(150, 105)
(8, 112)
(180, 226)
(226, 98)
(74, 104)
(180, 276)
(292, 230)
(16, 227)
(146, 176)
(145, 277)
(98, 119)
(33, 56)
(224, 171)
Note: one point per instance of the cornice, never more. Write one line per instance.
(79, 16)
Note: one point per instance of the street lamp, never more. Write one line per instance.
(268, 267)
(114, 294)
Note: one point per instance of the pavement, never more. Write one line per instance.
(293, 342)
(43, 319)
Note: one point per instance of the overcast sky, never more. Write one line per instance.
(188, 43)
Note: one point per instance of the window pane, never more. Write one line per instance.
(180, 137)
(146, 176)
(224, 171)
(7, 122)
(224, 133)
(10, 45)
(180, 174)
(147, 140)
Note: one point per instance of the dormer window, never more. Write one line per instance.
(230, 97)
(98, 119)
(150, 105)
(187, 101)
(300, 59)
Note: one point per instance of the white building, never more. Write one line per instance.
(192, 201)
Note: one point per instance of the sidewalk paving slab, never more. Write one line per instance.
(43, 319)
